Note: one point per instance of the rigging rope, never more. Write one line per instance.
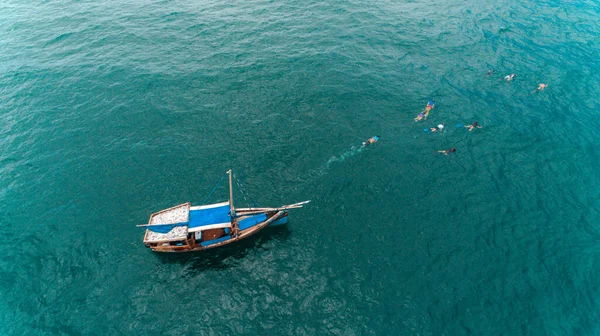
(215, 188)
(247, 198)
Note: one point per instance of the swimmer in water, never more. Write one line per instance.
(510, 77)
(472, 126)
(420, 116)
(371, 141)
(447, 151)
(423, 115)
(490, 72)
(541, 87)
(439, 127)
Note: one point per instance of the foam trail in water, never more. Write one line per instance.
(322, 170)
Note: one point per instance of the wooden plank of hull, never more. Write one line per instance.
(243, 234)
(173, 248)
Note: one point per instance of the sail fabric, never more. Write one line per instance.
(209, 215)
(251, 221)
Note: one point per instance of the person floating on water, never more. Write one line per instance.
(541, 87)
(439, 127)
(510, 77)
(423, 115)
(490, 72)
(447, 151)
(420, 116)
(371, 141)
(473, 125)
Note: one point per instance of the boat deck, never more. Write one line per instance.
(176, 214)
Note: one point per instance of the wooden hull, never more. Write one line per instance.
(192, 245)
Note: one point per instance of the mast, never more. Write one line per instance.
(234, 225)
(232, 209)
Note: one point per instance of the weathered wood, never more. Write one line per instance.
(155, 236)
(231, 208)
(283, 207)
(272, 214)
(243, 234)
(211, 234)
(243, 212)
(167, 210)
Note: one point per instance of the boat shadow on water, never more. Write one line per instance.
(229, 255)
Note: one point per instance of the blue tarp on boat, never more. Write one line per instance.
(251, 221)
(209, 216)
(165, 228)
(214, 241)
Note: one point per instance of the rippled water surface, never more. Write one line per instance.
(110, 111)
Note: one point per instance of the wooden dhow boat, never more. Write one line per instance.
(186, 228)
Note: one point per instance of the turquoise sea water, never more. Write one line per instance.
(110, 111)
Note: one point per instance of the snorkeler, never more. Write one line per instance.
(472, 126)
(490, 72)
(541, 87)
(420, 116)
(371, 141)
(447, 151)
(439, 127)
(423, 115)
(510, 77)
